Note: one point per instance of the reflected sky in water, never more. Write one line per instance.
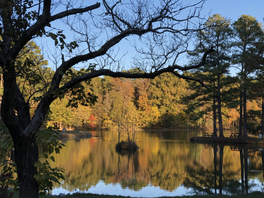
(116, 189)
(166, 164)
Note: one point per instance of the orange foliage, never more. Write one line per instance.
(233, 115)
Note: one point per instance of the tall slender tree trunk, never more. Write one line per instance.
(221, 168)
(262, 157)
(221, 134)
(1, 80)
(214, 112)
(242, 169)
(246, 169)
(245, 113)
(215, 165)
(262, 117)
(240, 113)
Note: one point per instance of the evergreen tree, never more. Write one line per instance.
(216, 32)
(248, 35)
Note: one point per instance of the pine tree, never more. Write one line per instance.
(216, 32)
(248, 35)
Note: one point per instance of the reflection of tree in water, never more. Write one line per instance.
(164, 164)
(167, 181)
(159, 163)
(223, 178)
(128, 174)
(206, 181)
(133, 184)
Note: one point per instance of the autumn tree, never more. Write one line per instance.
(99, 28)
(165, 93)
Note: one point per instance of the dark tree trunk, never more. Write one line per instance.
(16, 116)
(26, 155)
(262, 157)
(220, 169)
(221, 134)
(245, 113)
(242, 169)
(262, 117)
(240, 113)
(246, 169)
(215, 165)
(214, 112)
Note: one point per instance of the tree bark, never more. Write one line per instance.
(221, 169)
(240, 114)
(245, 113)
(242, 170)
(221, 134)
(262, 157)
(262, 117)
(214, 112)
(15, 114)
(246, 169)
(215, 165)
(26, 155)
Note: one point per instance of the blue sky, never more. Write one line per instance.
(234, 8)
(231, 9)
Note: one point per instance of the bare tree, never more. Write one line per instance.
(165, 25)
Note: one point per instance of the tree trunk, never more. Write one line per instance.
(26, 155)
(221, 134)
(245, 113)
(262, 117)
(246, 169)
(240, 114)
(262, 157)
(214, 112)
(242, 170)
(221, 169)
(215, 165)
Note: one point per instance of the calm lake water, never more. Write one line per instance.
(166, 164)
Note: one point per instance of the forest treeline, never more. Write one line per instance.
(158, 102)
(208, 97)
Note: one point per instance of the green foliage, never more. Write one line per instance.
(32, 74)
(81, 93)
(59, 40)
(8, 166)
(46, 176)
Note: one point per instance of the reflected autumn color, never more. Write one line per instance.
(166, 162)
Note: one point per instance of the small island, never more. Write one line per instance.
(128, 146)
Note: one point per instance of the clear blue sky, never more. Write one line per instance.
(231, 9)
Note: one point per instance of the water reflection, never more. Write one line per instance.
(224, 177)
(166, 164)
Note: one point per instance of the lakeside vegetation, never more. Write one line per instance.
(152, 92)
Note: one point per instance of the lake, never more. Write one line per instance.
(166, 164)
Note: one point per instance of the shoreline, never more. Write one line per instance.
(69, 135)
(241, 141)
